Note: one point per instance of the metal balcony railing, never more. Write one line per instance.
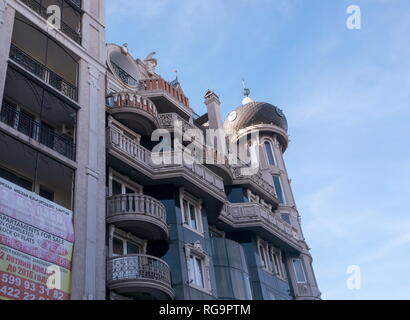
(124, 76)
(41, 133)
(138, 267)
(37, 7)
(38, 69)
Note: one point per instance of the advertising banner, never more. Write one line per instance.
(36, 246)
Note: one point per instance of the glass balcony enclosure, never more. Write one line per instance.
(35, 171)
(38, 114)
(46, 59)
(70, 15)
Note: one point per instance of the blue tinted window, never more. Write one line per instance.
(279, 190)
(269, 153)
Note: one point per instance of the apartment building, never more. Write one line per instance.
(52, 88)
(85, 210)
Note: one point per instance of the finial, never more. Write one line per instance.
(246, 93)
(124, 48)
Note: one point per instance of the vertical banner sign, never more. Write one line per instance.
(36, 246)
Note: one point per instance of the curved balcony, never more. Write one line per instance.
(137, 113)
(167, 97)
(255, 217)
(257, 183)
(132, 153)
(140, 276)
(142, 215)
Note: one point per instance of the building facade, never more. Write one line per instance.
(77, 119)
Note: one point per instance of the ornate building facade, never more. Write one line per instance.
(77, 118)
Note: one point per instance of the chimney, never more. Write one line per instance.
(214, 110)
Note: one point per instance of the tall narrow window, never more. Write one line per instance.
(262, 252)
(196, 271)
(299, 271)
(279, 190)
(275, 262)
(191, 215)
(269, 153)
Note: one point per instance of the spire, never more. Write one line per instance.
(246, 93)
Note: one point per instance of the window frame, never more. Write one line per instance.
(197, 205)
(284, 202)
(272, 149)
(302, 268)
(125, 183)
(196, 252)
(126, 238)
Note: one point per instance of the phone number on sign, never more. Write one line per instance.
(13, 287)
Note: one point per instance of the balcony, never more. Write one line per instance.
(165, 96)
(139, 214)
(257, 183)
(167, 121)
(37, 131)
(123, 75)
(140, 276)
(135, 112)
(37, 7)
(130, 151)
(255, 217)
(42, 72)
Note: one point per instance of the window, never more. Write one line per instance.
(122, 185)
(271, 259)
(262, 253)
(279, 190)
(49, 195)
(122, 247)
(191, 213)
(196, 271)
(275, 257)
(123, 243)
(269, 153)
(198, 267)
(286, 218)
(13, 178)
(299, 271)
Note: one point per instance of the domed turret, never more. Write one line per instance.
(255, 113)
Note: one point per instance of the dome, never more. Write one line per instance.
(254, 113)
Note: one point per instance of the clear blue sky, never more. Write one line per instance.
(347, 98)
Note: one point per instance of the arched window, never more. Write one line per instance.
(269, 153)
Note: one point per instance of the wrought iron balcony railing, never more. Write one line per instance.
(37, 7)
(138, 267)
(38, 131)
(124, 76)
(38, 69)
